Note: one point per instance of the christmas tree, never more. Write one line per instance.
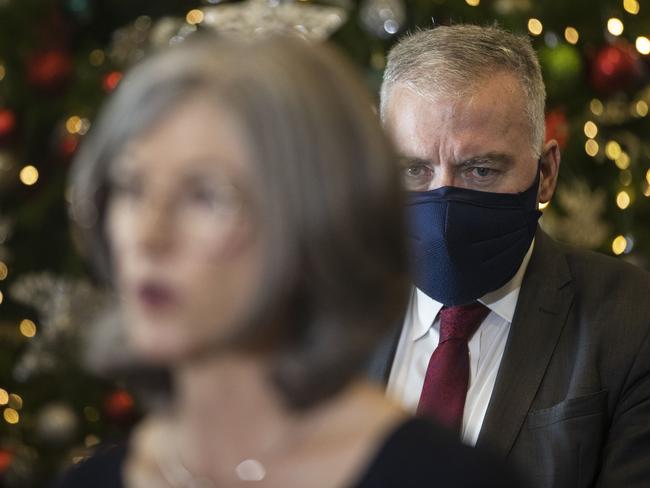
(60, 58)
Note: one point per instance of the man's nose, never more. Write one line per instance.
(442, 177)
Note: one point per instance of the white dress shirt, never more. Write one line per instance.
(420, 336)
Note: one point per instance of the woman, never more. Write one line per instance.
(242, 203)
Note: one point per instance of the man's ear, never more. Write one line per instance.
(550, 161)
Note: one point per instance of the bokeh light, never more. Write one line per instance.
(619, 244)
(613, 150)
(535, 27)
(27, 328)
(111, 80)
(622, 161)
(641, 108)
(571, 35)
(596, 107)
(29, 175)
(73, 124)
(615, 26)
(591, 147)
(11, 416)
(194, 16)
(15, 401)
(623, 199)
(622, 244)
(643, 45)
(591, 129)
(631, 6)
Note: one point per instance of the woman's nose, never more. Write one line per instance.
(152, 226)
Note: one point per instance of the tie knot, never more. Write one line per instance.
(461, 322)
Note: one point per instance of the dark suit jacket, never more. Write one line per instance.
(571, 403)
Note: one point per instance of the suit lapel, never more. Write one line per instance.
(541, 313)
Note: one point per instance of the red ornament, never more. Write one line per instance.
(557, 127)
(49, 70)
(6, 457)
(7, 122)
(111, 80)
(68, 146)
(119, 406)
(615, 67)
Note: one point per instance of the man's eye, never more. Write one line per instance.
(482, 172)
(416, 171)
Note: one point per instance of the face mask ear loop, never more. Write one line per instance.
(538, 180)
(537, 211)
(538, 177)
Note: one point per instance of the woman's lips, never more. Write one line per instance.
(156, 296)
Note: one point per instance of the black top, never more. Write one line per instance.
(416, 454)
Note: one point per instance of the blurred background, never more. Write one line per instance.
(60, 58)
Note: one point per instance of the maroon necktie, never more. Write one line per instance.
(445, 385)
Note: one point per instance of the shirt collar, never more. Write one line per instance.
(502, 301)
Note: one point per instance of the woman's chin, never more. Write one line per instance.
(170, 342)
(161, 349)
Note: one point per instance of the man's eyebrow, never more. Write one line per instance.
(494, 158)
(407, 160)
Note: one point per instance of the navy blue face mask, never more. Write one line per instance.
(466, 243)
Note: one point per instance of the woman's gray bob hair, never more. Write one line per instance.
(330, 205)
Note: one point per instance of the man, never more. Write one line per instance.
(558, 375)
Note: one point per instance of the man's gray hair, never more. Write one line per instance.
(451, 61)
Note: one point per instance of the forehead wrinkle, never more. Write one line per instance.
(456, 128)
(477, 124)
